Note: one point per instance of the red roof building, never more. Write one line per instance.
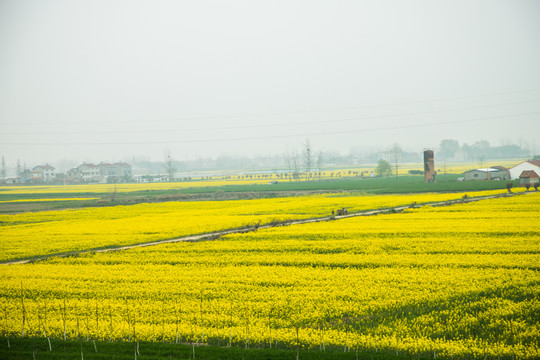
(43, 173)
(529, 177)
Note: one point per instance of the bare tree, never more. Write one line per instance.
(319, 163)
(296, 166)
(292, 164)
(396, 154)
(169, 166)
(308, 159)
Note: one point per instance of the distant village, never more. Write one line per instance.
(83, 174)
(121, 172)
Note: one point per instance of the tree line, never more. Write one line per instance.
(450, 149)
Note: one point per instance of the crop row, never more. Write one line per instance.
(35, 234)
(458, 281)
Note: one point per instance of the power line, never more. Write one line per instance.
(383, 128)
(279, 113)
(243, 127)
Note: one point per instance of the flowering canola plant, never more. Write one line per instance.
(459, 281)
(33, 234)
(128, 187)
(42, 200)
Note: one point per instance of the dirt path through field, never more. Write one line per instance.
(217, 234)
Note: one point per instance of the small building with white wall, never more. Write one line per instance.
(43, 173)
(497, 173)
(531, 165)
(528, 177)
(89, 172)
(117, 172)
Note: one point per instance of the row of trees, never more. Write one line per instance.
(302, 164)
(450, 149)
(307, 163)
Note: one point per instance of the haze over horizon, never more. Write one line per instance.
(102, 80)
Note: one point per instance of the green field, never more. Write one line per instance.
(391, 185)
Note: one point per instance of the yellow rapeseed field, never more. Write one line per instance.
(130, 187)
(43, 233)
(43, 200)
(456, 282)
(237, 179)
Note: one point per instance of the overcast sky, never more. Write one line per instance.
(108, 80)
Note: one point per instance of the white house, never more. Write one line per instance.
(43, 173)
(115, 172)
(102, 173)
(494, 173)
(516, 171)
(89, 172)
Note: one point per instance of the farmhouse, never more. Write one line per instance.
(117, 172)
(533, 165)
(43, 173)
(528, 177)
(493, 173)
(102, 173)
(26, 176)
(89, 172)
(74, 176)
(84, 173)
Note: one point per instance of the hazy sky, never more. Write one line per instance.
(108, 80)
